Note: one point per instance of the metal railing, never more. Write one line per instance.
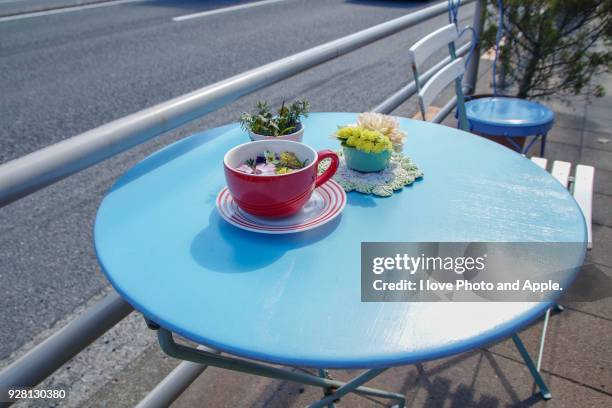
(34, 171)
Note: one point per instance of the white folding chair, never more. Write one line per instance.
(581, 186)
(427, 92)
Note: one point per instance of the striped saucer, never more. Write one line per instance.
(325, 204)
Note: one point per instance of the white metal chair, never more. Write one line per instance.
(453, 71)
(581, 186)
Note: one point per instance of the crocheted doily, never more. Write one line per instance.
(400, 172)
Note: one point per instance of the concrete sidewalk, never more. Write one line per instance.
(578, 359)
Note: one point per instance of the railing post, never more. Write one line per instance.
(471, 75)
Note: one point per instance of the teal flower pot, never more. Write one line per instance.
(365, 162)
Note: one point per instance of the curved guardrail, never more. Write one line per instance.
(46, 166)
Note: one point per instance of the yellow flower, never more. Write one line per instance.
(352, 140)
(283, 170)
(366, 140)
(345, 132)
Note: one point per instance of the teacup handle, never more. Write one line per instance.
(331, 170)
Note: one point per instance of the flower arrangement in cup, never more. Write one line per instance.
(286, 124)
(368, 145)
(275, 178)
(269, 163)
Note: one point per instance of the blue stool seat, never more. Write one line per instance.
(509, 117)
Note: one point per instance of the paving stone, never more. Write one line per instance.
(603, 182)
(601, 252)
(566, 135)
(598, 119)
(569, 120)
(603, 102)
(606, 81)
(602, 209)
(570, 105)
(600, 159)
(485, 380)
(597, 140)
(475, 379)
(592, 291)
(560, 151)
(578, 348)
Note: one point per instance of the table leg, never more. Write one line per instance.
(326, 392)
(348, 387)
(532, 367)
(170, 347)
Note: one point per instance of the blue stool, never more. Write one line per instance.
(510, 118)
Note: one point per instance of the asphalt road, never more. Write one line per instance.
(66, 73)
(17, 7)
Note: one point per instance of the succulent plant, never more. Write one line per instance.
(286, 121)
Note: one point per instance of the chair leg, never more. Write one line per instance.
(544, 391)
(559, 308)
(543, 339)
(516, 146)
(543, 145)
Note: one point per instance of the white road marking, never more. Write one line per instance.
(226, 10)
(66, 10)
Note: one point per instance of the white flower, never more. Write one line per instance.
(266, 169)
(387, 125)
(245, 168)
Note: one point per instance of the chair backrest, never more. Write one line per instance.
(581, 187)
(422, 49)
(420, 52)
(440, 80)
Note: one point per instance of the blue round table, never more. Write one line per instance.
(510, 118)
(295, 299)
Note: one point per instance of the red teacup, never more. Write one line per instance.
(278, 195)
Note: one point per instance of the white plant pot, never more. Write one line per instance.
(295, 136)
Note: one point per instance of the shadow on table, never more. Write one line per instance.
(221, 247)
(360, 200)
